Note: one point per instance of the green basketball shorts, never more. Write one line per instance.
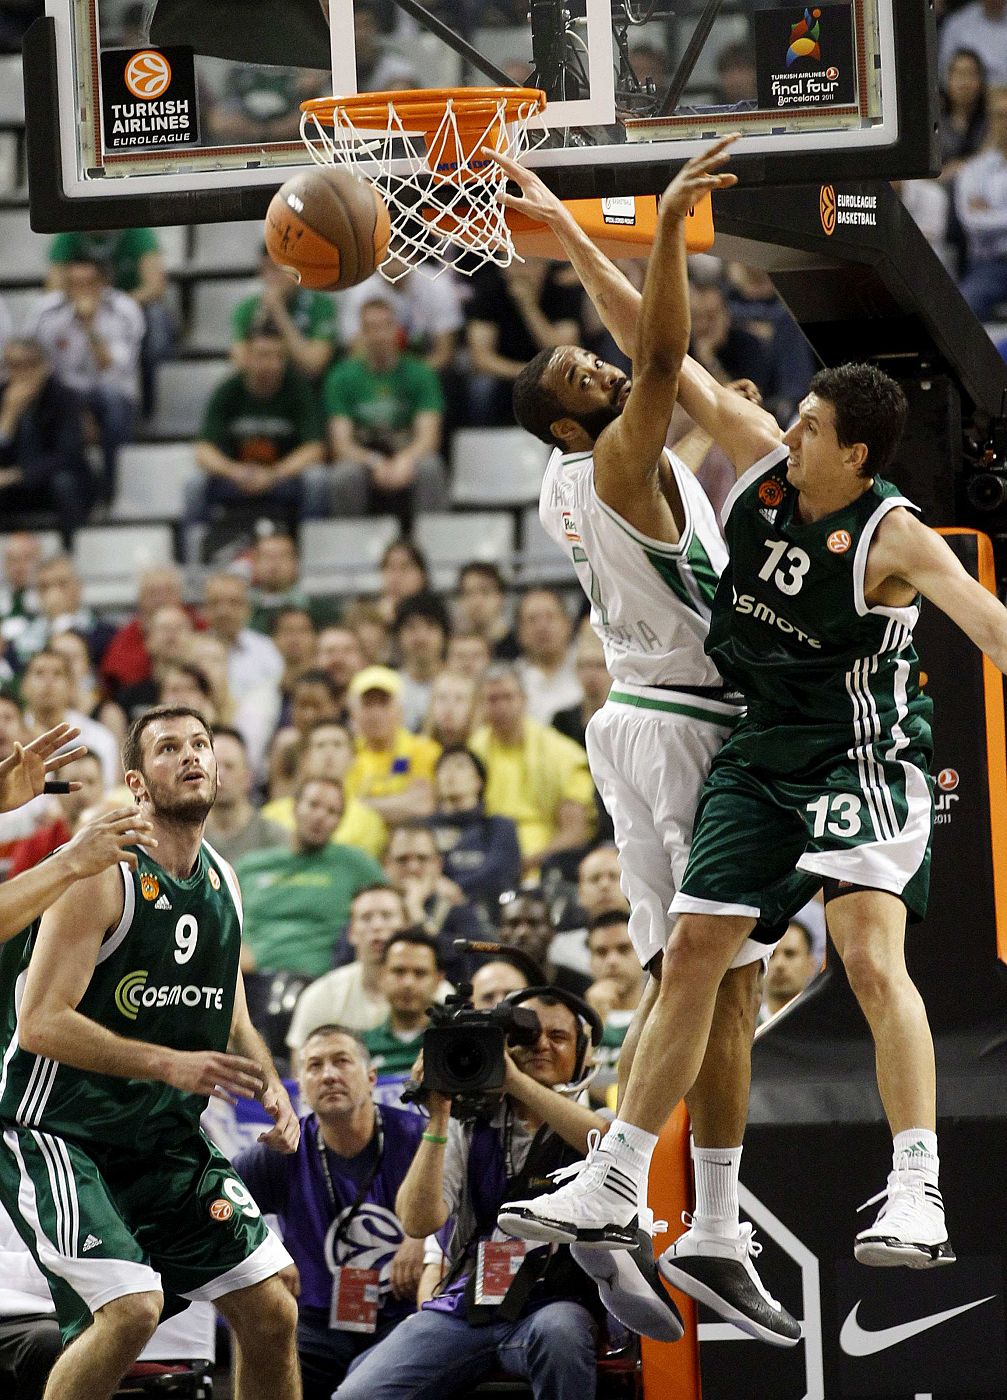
(785, 808)
(102, 1224)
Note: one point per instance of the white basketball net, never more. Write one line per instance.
(468, 217)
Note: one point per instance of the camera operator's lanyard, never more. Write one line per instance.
(323, 1155)
(355, 1292)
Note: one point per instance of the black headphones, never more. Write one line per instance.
(589, 1024)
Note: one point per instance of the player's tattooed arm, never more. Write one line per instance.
(615, 298)
(744, 431)
(627, 454)
(246, 1041)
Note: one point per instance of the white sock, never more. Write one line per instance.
(917, 1149)
(716, 1172)
(631, 1145)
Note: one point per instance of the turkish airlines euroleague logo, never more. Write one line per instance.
(827, 209)
(148, 75)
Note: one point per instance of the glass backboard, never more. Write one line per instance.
(192, 106)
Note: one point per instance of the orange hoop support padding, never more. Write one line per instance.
(671, 1369)
(614, 234)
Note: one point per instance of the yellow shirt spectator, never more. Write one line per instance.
(359, 826)
(528, 780)
(392, 770)
(387, 772)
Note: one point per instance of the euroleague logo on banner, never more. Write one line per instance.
(148, 75)
(947, 784)
(827, 209)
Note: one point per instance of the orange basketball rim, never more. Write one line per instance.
(480, 118)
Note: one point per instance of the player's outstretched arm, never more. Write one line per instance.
(96, 846)
(285, 1133)
(615, 298)
(634, 442)
(905, 548)
(62, 964)
(745, 432)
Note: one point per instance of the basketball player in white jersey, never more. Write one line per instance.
(645, 542)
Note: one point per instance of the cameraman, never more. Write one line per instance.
(544, 1325)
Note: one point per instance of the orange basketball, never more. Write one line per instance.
(327, 229)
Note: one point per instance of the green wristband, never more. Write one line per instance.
(434, 1137)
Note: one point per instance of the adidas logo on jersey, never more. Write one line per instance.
(163, 902)
(769, 515)
(90, 1243)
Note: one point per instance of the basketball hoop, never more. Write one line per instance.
(422, 149)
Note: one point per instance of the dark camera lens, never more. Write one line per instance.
(987, 491)
(465, 1061)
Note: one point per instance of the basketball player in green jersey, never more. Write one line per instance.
(117, 1023)
(825, 780)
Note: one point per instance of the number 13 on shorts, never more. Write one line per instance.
(837, 814)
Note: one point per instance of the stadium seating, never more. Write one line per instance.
(342, 556)
(450, 540)
(540, 559)
(496, 467)
(109, 559)
(152, 481)
(183, 388)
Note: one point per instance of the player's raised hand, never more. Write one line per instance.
(700, 176)
(23, 774)
(285, 1133)
(214, 1075)
(536, 200)
(104, 842)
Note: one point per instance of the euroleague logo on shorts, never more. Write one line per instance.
(839, 542)
(147, 75)
(221, 1209)
(771, 493)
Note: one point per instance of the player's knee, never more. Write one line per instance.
(270, 1325)
(132, 1319)
(870, 974)
(737, 1000)
(698, 948)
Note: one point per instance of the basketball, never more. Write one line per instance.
(327, 229)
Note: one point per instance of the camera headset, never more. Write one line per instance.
(589, 1024)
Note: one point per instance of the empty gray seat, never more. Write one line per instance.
(496, 467)
(21, 303)
(213, 306)
(152, 481)
(24, 254)
(342, 556)
(233, 247)
(11, 90)
(541, 558)
(183, 391)
(174, 241)
(451, 539)
(110, 559)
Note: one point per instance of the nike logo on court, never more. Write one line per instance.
(857, 1341)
